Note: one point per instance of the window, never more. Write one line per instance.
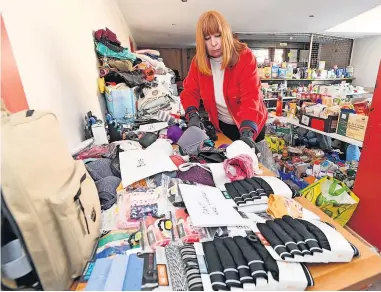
(278, 56)
(261, 55)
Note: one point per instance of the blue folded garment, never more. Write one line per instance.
(99, 275)
(134, 275)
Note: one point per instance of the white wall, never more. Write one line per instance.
(54, 51)
(366, 56)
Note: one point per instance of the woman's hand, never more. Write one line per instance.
(195, 120)
(247, 137)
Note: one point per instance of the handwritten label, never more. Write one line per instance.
(207, 207)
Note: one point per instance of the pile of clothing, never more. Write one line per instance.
(136, 84)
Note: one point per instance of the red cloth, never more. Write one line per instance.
(177, 160)
(107, 34)
(242, 91)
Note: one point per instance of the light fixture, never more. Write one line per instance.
(311, 16)
(184, 0)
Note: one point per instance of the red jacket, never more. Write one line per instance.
(242, 91)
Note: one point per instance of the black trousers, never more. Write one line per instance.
(232, 132)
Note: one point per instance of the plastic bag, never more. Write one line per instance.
(334, 193)
(333, 197)
(266, 157)
(139, 204)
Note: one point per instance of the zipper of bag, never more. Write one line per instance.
(16, 230)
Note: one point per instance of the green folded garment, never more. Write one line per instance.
(107, 52)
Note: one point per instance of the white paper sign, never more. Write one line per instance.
(99, 134)
(153, 127)
(207, 207)
(139, 164)
(305, 120)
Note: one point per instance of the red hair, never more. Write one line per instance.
(210, 23)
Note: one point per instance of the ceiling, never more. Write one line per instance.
(172, 23)
(369, 21)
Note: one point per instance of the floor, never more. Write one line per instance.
(375, 287)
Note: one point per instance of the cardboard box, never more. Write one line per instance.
(328, 125)
(261, 73)
(352, 125)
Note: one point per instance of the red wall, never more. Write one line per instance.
(366, 220)
(12, 91)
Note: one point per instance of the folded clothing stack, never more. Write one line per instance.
(192, 270)
(107, 180)
(243, 262)
(297, 240)
(256, 190)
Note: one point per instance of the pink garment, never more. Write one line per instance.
(98, 151)
(239, 167)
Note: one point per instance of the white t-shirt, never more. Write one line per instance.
(218, 83)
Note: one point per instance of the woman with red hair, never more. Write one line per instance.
(224, 74)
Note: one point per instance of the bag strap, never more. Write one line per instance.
(77, 198)
(332, 189)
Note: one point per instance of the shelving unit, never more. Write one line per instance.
(295, 122)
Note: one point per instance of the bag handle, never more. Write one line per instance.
(332, 189)
(77, 198)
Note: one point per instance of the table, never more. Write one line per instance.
(356, 275)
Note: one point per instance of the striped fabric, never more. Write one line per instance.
(192, 271)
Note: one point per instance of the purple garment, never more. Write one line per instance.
(198, 175)
(223, 146)
(174, 133)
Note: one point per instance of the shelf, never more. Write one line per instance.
(357, 93)
(291, 79)
(332, 135)
(286, 97)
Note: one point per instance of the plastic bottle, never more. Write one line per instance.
(316, 169)
(279, 106)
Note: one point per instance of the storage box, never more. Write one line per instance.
(261, 73)
(328, 125)
(267, 71)
(352, 125)
(121, 103)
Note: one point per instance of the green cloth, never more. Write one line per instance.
(107, 52)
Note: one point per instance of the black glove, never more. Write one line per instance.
(247, 137)
(195, 120)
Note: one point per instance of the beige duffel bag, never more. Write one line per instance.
(50, 196)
